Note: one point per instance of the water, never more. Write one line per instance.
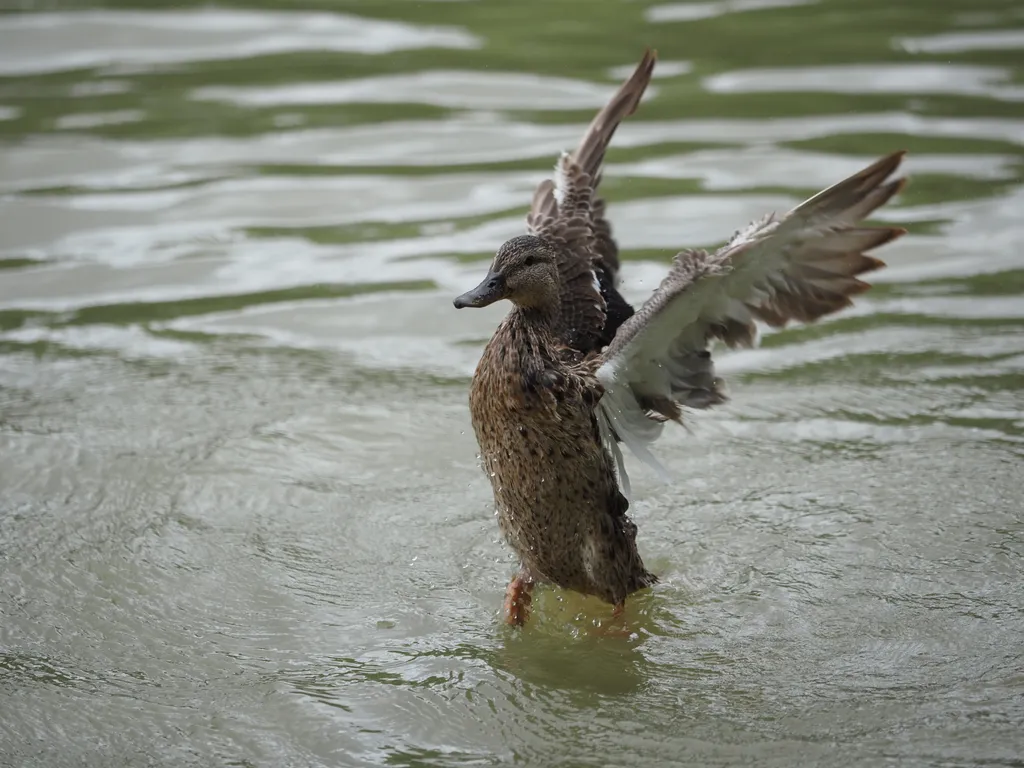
(241, 520)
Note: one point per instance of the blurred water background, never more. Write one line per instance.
(241, 518)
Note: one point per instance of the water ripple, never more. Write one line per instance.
(964, 42)
(51, 42)
(459, 90)
(698, 11)
(911, 79)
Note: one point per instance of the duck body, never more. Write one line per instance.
(558, 501)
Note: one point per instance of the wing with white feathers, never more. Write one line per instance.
(801, 266)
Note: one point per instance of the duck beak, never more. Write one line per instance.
(492, 289)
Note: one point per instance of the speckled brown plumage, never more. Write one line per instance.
(571, 371)
(559, 504)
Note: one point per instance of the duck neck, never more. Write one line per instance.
(540, 316)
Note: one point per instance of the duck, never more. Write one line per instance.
(573, 373)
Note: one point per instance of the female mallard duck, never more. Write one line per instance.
(572, 370)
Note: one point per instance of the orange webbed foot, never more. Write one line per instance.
(517, 601)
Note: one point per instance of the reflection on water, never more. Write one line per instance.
(965, 42)
(699, 11)
(458, 90)
(39, 43)
(965, 80)
(241, 521)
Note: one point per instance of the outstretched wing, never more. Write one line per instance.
(566, 212)
(801, 266)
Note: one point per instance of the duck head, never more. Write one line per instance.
(524, 271)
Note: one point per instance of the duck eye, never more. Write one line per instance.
(530, 261)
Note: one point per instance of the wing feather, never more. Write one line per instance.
(565, 211)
